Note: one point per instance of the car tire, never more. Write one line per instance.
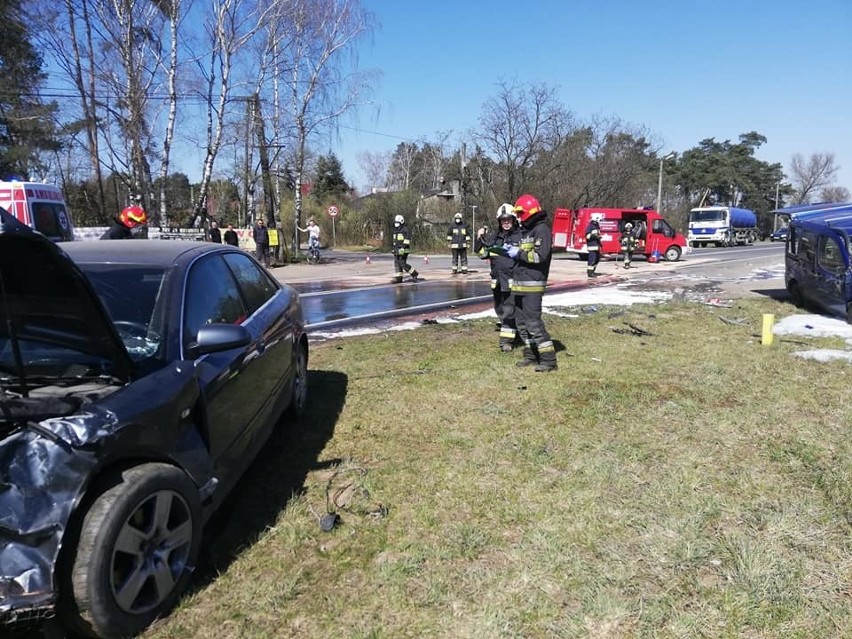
(299, 390)
(795, 294)
(137, 549)
(672, 254)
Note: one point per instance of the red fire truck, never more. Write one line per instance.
(657, 239)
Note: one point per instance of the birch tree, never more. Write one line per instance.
(321, 86)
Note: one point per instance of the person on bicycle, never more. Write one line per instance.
(313, 231)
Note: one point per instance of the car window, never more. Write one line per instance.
(132, 296)
(829, 256)
(211, 297)
(807, 245)
(662, 227)
(256, 285)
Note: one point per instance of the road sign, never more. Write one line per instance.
(332, 211)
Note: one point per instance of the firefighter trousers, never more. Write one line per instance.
(538, 347)
(459, 260)
(504, 306)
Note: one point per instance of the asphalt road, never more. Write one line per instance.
(348, 288)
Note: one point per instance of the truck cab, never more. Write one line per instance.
(817, 266)
(39, 206)
(657, 239)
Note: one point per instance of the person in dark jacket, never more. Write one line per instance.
(529, 279)
(493, 246)
(261, 241)
(401, 247)
(458, 237)
(230, 236)
(593, 246)
(131, 223)
(215, 233)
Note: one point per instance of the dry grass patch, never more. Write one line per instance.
(690, 482)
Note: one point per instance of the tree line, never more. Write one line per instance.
(99, 95)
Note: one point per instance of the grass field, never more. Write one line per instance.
(686, 483)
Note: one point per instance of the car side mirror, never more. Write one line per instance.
(215, 338)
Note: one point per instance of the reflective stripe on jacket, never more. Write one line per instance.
(401, 240)
(458, 236)
(532, 265)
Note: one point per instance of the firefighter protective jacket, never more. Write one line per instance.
(593, 237)
(532, 264)
(458, 236)
(401, 240)
(501, 265)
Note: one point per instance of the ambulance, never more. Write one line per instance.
(657, 239)
(40, 206)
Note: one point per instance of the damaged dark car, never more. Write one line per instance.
(138, 380)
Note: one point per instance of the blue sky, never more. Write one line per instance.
(686, 70)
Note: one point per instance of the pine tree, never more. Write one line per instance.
(329, 179)
(25, 121)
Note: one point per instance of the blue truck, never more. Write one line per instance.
(722, 226)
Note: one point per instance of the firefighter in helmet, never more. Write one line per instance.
(529, 279)
(131, 223)
(458, 236)
(628, 243)
(401, 247)
(493, 247)
(593, 245)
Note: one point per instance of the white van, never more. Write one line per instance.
(40, 206)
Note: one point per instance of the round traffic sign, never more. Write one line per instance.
(332, 211)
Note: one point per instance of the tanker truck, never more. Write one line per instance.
(721, 225)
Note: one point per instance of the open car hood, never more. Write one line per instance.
(48, 308)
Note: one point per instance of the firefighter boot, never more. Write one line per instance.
(414, 275)
(547, 362)
(529, 358)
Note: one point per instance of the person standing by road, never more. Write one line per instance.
(401, 247)
(458, 236)
(313, 230)
(215, 233)
(493, 246)
(261, 241)
(230, 236)
(529, 279)
(628, 243)
(593, 246)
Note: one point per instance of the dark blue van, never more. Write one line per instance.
(817, 263)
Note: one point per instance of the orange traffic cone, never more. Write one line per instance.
(425, 259)
(367, 260)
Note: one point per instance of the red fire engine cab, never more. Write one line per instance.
(657, 239)
(39, 206)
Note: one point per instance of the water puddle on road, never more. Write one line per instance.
(328, 301)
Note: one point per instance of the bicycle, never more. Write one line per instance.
(314, 256)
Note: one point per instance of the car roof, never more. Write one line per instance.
(807, 210)
(145, 252)
(836, 219)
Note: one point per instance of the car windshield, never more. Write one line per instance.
(706, 216)
(131, 295)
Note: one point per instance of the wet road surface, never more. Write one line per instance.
(334, 303)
